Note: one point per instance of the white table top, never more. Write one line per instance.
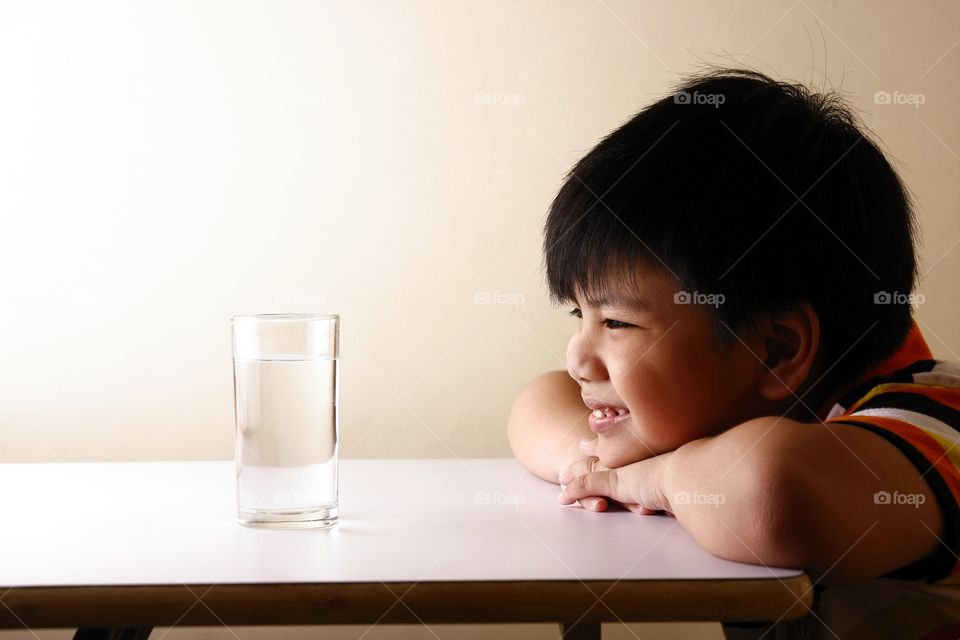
(156, 523)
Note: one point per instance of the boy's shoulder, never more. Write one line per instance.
(925, 387)
(910, 386)
(908, 375)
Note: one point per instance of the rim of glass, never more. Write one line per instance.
(288, 316)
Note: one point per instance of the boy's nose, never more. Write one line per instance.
(582, 362)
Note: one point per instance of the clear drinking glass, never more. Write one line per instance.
(286, 373)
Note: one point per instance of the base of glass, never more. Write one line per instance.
(315, 518)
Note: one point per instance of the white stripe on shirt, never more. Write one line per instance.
(921, 420)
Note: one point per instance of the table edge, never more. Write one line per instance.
(717, 600)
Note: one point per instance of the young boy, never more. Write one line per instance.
(739, 257)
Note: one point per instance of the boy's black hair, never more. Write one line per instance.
(760, 190)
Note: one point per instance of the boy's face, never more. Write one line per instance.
(666, 369)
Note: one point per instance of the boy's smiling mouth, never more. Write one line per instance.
(605, 416)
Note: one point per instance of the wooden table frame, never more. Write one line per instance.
(130, 612)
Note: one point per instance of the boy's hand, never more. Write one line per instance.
(588, 464)
(637, 486)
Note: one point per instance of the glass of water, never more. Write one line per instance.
(286, 374)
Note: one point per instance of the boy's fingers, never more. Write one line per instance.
(643, 511)
(594, 503)
(588, 446)
(598, 483)
(578, 468)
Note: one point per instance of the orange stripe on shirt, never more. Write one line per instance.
(948, 396)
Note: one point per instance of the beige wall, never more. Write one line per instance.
(164, 167)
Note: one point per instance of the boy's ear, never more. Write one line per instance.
(788, 344)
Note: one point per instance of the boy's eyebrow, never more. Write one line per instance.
(631, 302)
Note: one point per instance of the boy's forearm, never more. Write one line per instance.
(809, 496)
(546, 424)
(730, 494)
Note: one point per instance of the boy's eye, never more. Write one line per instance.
(608, 323)
(615, 324)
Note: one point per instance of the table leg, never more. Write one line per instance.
(580, 631)
(135, 633)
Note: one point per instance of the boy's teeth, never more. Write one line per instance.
(608, 413)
